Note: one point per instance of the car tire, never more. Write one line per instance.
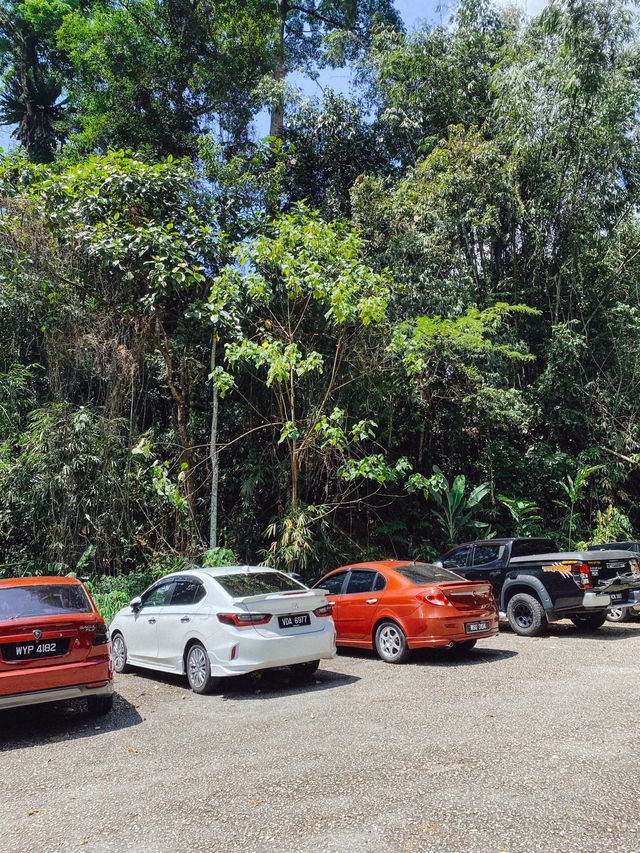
(618, 614)
(98, 706)
(589, 621)
(464, 646)
(198, 669)
(526, 615)
(119, 654)
(391, 642)
(306, 669)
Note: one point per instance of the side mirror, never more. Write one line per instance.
(136, 603)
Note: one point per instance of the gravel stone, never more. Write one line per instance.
(522, 745)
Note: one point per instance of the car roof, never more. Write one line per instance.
(220, 571)
(377, 565)
(504, 541)
(29, 581)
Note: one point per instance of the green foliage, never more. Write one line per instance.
(573, 488)
(525, 513)
(198, 325)
(455, 512)
(216, 557)
(612, 525)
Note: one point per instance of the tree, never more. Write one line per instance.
(31, 67)
(306, 299)
(313, 33)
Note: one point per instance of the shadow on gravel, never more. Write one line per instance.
(609, 631)
(45, 724)
(268, 684)
(439, 657)
(275, 683)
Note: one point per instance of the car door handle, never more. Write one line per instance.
(185, 619)
(372, 600)
(494, 574)
(152, 621)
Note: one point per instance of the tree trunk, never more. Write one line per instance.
(213, 455)
(279, 74)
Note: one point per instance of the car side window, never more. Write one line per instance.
(333, 584)
(484, 554)
(361, 580)
(187, 592)
(159, 595)
(379, 583)
(457, 558)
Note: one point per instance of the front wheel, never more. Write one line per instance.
(198, 668)
(306, 669)
(119, 654)
(526, 615)
(589, 621)
(391, 643)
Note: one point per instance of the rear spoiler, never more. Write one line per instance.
(269, 596)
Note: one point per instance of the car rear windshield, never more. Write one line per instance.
(421, 573)
(42, 600)
(531, 547)
(257, 583)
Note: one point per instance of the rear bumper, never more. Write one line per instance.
(450, 629)
(596, 601)
(632, 599)
(254, 652)
(54, 694)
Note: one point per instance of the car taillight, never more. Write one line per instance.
(582, 575)
(102, 634)
(244, 620)
(99, 630)
(325, 610)
(434, 596)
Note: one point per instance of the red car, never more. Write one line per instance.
(396, 606)
(54, 645)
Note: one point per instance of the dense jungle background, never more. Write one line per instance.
(241, 322)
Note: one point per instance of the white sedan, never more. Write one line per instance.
(208, 623)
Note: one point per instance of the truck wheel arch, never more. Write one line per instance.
(531, 586)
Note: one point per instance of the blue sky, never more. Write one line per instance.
(412, 11)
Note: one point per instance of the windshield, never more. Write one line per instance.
(42, 600)
(257, 583)
(421, 573)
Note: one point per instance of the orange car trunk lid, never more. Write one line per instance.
(468, 596)
(49, 640)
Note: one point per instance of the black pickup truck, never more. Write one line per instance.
(535, 583)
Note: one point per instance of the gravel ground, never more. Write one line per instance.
(523, 745)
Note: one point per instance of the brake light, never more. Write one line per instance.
(101, 635)
(434, 596)
(99, 630)
(581, 574)
(325, 610)
(244, 620)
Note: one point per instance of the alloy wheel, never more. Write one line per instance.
(119, 653)
(197, 667)
(391, 641)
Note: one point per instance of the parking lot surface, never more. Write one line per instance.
(522, 745)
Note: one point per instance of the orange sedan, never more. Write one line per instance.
(396, 606)
(54, 645)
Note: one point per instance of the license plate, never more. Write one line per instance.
(615, 599)
(294, 620)
(475, 627)
(34, 649)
